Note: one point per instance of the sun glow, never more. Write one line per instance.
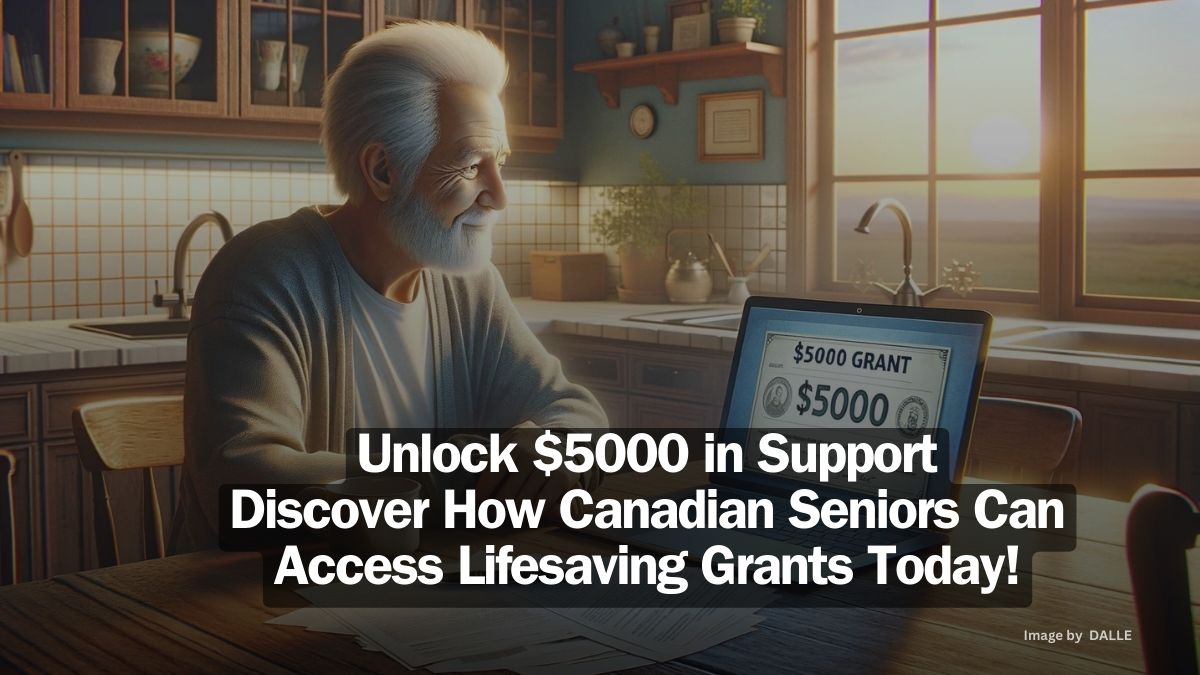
(1001, 142)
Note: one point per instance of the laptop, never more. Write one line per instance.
(808, 369)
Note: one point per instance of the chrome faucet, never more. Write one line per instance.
(177, 306)
(908, 293)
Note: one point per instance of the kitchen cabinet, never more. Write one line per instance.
(1189, 449)
(52, 492)
(1127, 442)
(288, 50)
(1131, 436)
(252, 68)
(394, 11)
(126, 55)
(34, 29)
(642, 386)
(530, 33)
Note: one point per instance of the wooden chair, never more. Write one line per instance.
(1024, 441)
(133, 433)
(1162, 525)
(8, 523)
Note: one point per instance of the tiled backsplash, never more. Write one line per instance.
(106, 227)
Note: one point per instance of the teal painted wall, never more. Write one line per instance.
(598, 141)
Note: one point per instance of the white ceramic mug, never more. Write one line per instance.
(650, 38)
(739, 292)
(269, 59)
(296, 66)
(624, 49)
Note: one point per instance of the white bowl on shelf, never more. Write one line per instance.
(150, 61)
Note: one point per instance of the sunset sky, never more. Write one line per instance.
(1142, 90)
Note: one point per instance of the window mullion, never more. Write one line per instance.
(931, 181)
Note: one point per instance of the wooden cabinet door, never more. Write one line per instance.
(67, 510)
(287, 51)
(26, 513)
(530, 33)
(35, 26)
(1127, 442)
(646, 412)
(397, 11)
(126, 55)
(1189, 449)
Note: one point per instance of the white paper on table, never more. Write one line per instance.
(315, 619)
(666, 633)
(613, 661)
(560, 656)
(419, 637)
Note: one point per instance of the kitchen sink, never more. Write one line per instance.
(720, 318)
(1120, 345)
(155, 329)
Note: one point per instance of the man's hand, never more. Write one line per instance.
(529, 482)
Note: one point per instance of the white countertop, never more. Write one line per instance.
(30, 346)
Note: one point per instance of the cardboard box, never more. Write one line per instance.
(567, 275)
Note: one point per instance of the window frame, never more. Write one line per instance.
(810, 165)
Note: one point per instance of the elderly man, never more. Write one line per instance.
(381, 312)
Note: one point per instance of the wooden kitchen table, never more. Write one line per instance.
(204, 612)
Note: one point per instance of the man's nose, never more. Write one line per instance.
(493, 195)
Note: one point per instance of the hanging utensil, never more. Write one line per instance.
(21, 222)
(721, 254)
(758, 260)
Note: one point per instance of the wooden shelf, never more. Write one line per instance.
(666, 70)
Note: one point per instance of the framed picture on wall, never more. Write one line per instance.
(730, 126)
(695, 29)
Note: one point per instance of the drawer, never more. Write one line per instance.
(16, 413)
(59, 399)
(588, 364)
(646, 412)
(690, 379)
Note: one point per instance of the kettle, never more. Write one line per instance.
(688, 279)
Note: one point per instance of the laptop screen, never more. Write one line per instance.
(884, 372)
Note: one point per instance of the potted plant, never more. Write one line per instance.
(742, 20)
(636, 220)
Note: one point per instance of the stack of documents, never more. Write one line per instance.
(533, 641)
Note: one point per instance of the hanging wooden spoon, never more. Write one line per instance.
(21, 222)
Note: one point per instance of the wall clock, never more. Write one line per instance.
(642, 121)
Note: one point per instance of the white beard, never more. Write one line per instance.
(459, 248)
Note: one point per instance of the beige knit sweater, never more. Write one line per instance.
(269, 397)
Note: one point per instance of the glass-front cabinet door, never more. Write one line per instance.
(28, 57)
(148, 55)
(395, 11)
(288, 50)
(529, 32)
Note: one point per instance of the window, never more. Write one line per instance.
(1056, 148)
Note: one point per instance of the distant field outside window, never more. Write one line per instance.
(1141, 179)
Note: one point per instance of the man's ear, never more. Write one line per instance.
(376, 170)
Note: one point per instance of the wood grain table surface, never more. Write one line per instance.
(203, 612)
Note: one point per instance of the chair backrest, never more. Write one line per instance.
(1162, 525)
(8, 524)
(131, 433)
(1024, 441)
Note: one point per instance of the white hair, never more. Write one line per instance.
(386, 91)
